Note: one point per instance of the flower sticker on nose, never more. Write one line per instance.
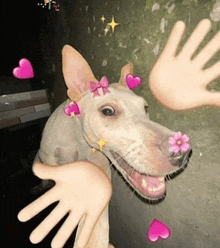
(179, 142)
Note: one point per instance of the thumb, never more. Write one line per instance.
(44, 171)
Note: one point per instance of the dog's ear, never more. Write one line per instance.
(77, 73)
(127, 69)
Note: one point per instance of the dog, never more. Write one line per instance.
(137, 146)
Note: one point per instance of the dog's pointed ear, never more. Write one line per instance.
(127, 69)
(77, 73)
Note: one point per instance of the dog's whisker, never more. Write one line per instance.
(109, 169)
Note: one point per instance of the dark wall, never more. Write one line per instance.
(20, 34)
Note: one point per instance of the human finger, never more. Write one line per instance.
(196, 38)
(66, 229)
(174, 39)
(47, 224)
(208, 51)
(87, 228)
(37, 206)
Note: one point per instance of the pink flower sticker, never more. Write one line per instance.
(179, 142)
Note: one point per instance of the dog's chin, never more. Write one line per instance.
(151, 188)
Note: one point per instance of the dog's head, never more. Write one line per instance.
(137, 146)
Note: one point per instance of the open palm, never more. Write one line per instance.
(82, 190)
(178, 81)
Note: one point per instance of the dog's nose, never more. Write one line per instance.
(176, 159)
(181, 158)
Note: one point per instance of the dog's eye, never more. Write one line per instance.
(146, 108)
(108, 111)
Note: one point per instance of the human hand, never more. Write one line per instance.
(179, 82)
(81, 188)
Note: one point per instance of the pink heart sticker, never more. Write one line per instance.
(72, 108)
(158, 230)
(133, 81)
(24, 70)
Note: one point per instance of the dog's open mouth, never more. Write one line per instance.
(147, 186)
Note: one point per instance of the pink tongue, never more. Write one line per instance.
(149, 186)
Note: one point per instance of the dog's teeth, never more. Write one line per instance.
(154, 189)
(161, 179)
(160, 187)
(144, 183)
(150, 189)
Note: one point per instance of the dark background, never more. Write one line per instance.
(191, 208)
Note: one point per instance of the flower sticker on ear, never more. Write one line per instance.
(179, 142)
(72, 109)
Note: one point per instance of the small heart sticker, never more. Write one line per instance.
(158, 230)
(133, 81)
(72, 109)
(24, 70)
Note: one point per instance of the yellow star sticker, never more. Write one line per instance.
(101, 144)
(113, 24)
(103, 18)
